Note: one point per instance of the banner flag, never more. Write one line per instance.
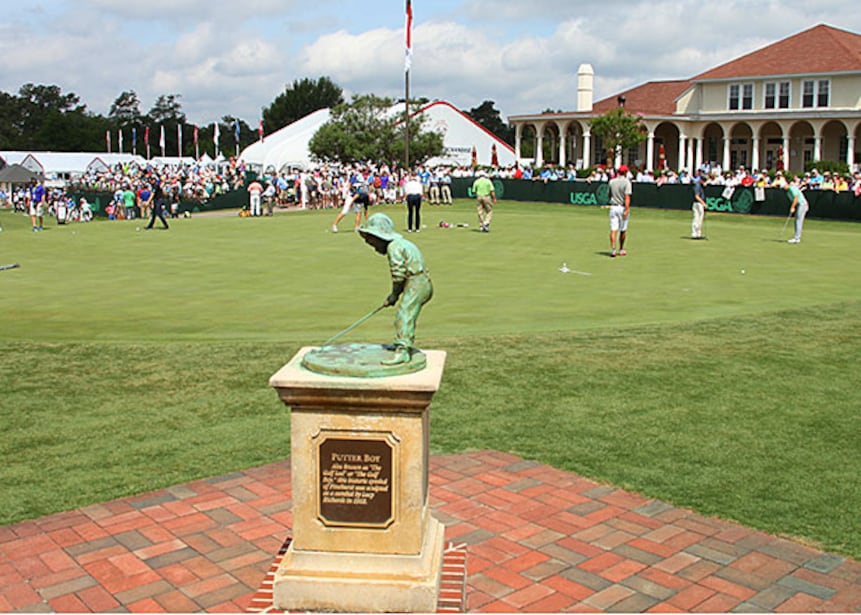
(408, 42)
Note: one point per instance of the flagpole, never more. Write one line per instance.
(408, 51)
(236, 134)
(407, 121)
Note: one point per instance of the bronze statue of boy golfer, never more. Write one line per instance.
(411, 281)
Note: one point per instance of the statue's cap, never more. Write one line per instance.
(380, 225)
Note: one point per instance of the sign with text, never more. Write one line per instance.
(355, 482)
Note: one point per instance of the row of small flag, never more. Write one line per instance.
(216, 135)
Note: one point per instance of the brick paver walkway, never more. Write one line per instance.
(538, 540)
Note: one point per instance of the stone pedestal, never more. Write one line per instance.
(363, 535)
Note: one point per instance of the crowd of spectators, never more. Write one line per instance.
(757, 178)
(190, 181)
(327, 185)
(132, 186)
(56, 200)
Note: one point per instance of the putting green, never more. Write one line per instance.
(290, 278)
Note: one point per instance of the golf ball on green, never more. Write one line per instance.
(743, 272)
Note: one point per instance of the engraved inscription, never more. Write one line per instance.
(355, 482)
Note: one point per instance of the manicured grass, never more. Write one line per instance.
(136, 360)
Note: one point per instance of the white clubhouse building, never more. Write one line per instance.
(794, 101)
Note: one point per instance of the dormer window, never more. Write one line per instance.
(823, 94)
(740, 96)
(815, 93)
(776, 95)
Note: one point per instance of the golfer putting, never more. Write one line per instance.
(799, 207)
(411, 281)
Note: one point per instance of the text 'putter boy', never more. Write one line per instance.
(411, 281)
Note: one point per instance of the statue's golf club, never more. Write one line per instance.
(352, 326)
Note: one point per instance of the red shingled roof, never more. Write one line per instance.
(820, 49)
(653, 98)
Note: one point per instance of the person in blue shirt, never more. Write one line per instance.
(37, 205)
(424, 178)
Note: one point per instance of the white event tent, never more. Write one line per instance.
(57, 164)
(288, 147)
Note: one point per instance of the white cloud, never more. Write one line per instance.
(228, 59)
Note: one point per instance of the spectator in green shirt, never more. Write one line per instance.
(485, 195)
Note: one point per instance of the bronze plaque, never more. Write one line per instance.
(356, 482)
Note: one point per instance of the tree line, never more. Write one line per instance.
(44, 118)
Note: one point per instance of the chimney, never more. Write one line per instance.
(585, 76)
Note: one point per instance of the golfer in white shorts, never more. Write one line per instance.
(355, 200)
(620, 209)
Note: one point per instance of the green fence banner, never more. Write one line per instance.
(740, 200)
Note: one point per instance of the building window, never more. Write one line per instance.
(713, 149)
(783, 96)
(634, 156)
(823, 94)
(807, 94)
(776, 95)
(599, 155)
(747, 96)
(740, 96)
(733, 97)
(816, 93)
(770, 96)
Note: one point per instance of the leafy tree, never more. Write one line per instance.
(166, 113)
(10, 129)
(302, 97)
(126, 110)
(75, 131)
(30, 110)
(366, 129)
(49, 98)
(489, 117)
(166, 108)
(619, 131)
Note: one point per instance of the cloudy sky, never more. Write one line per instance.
(233, 58)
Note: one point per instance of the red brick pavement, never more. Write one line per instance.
(537, 540)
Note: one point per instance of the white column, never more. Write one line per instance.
(539, 146)
(786, 152)
(587, 148)
(650, 152)
(754, 157)
(682, 163)
(850, 151)
(727, 142)
(817, 146)
(562, 142)
(699, 160)
(518, 138)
